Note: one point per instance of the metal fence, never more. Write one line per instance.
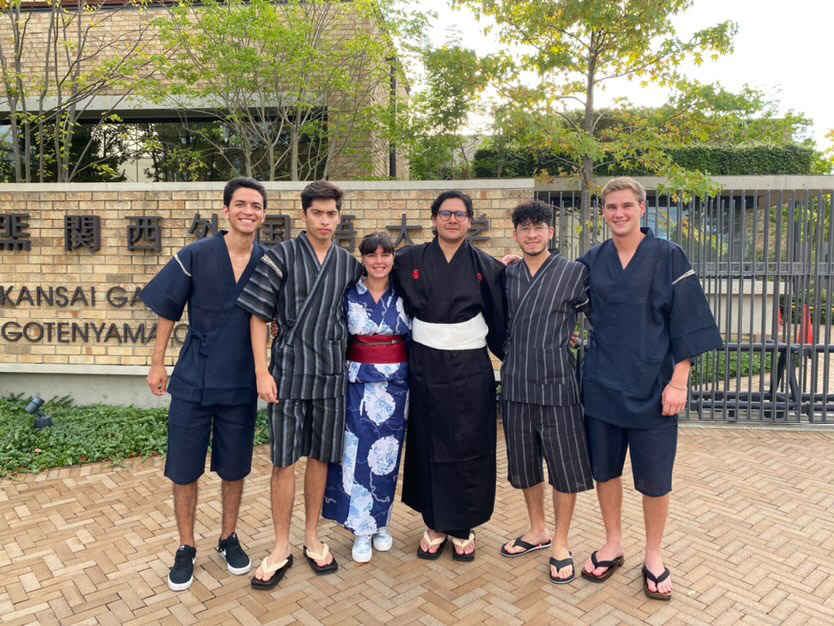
(765, 257)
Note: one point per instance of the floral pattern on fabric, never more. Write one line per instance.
(360, 489)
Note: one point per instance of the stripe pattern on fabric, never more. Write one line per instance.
(554, 433)
(305, 297)
(539, 366)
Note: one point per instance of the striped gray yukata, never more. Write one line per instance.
(542, 412)
(308, 355)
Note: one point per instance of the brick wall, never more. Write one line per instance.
(117, 272)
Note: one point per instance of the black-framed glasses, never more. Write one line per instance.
(446, 215)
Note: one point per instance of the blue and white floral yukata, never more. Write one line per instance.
(360, 490)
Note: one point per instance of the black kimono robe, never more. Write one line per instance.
(449, 473)
(645, 318)
(215, 364)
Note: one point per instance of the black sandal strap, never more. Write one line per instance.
(614, 563)
(656, 579)
(559, 564)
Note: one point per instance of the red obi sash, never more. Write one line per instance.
(377, 349)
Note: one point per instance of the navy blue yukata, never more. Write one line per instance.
(213, 384)
(215, 365)
(645, 318)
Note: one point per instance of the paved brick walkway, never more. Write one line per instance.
(750, 540)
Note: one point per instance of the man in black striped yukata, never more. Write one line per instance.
(542, 409)
(301, 284)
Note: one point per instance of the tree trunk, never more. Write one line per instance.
(294, 154)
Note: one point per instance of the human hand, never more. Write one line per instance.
(574, 339)
(510, 258)
(267, 389)
(673, 399)
(273, 328)
(157, 380)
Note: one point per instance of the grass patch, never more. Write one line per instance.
(84, 434)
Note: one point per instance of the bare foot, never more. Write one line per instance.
(565, 572)
(424, 545)
(316, 546)
(608, 552)
(655, 565)
(276, 556)
(469, 548)
(533, 538)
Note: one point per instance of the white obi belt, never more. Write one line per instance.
(468, 335)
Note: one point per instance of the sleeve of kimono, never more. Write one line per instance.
(260, 295)
(495, 302)
(358, 270)
(402, 276)
(693, 328)
(583, 292)
(169, 291)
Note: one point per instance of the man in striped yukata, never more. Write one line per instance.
(542, 410)
(301, 283)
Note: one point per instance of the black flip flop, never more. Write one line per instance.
(431, 556)
(559, 564)
(276, 577)
(611, 565)
(648, 576)
(461, 543)
(312, 557)
(528, 547)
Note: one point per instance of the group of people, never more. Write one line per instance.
(365, 355)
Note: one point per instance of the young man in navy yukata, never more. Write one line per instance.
(301, 283)
(649, 318)
(542, 409)
(213, 392)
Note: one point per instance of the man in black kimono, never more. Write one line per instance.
(213, 384)
(649, 318)
(301, 284)
(454, 293)
(542, 410)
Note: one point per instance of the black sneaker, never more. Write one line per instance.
(237, 561)
(182, 574)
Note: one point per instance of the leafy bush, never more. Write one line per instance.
(83, 434)
(714, 160)
(708, 367)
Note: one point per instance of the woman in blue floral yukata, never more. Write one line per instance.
(360, 491)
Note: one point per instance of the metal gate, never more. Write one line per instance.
(765, 257)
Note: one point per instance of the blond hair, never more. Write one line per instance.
(621, 183)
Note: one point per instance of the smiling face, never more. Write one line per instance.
(379, 263)
(533, 238)
(245, 211)
(451, 230)
(321, 219)
(622, 212)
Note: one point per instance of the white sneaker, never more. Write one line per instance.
(383, 540)
(362, 552)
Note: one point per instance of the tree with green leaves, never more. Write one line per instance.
(54, 63)
(574, 48)
(454, 79)
(297, 84)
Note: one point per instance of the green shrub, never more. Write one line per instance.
(721, 366)
(83, 434)
(714, 160)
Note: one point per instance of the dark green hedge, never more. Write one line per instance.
(714, 160)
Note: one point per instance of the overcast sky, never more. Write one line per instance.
(783, 48)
